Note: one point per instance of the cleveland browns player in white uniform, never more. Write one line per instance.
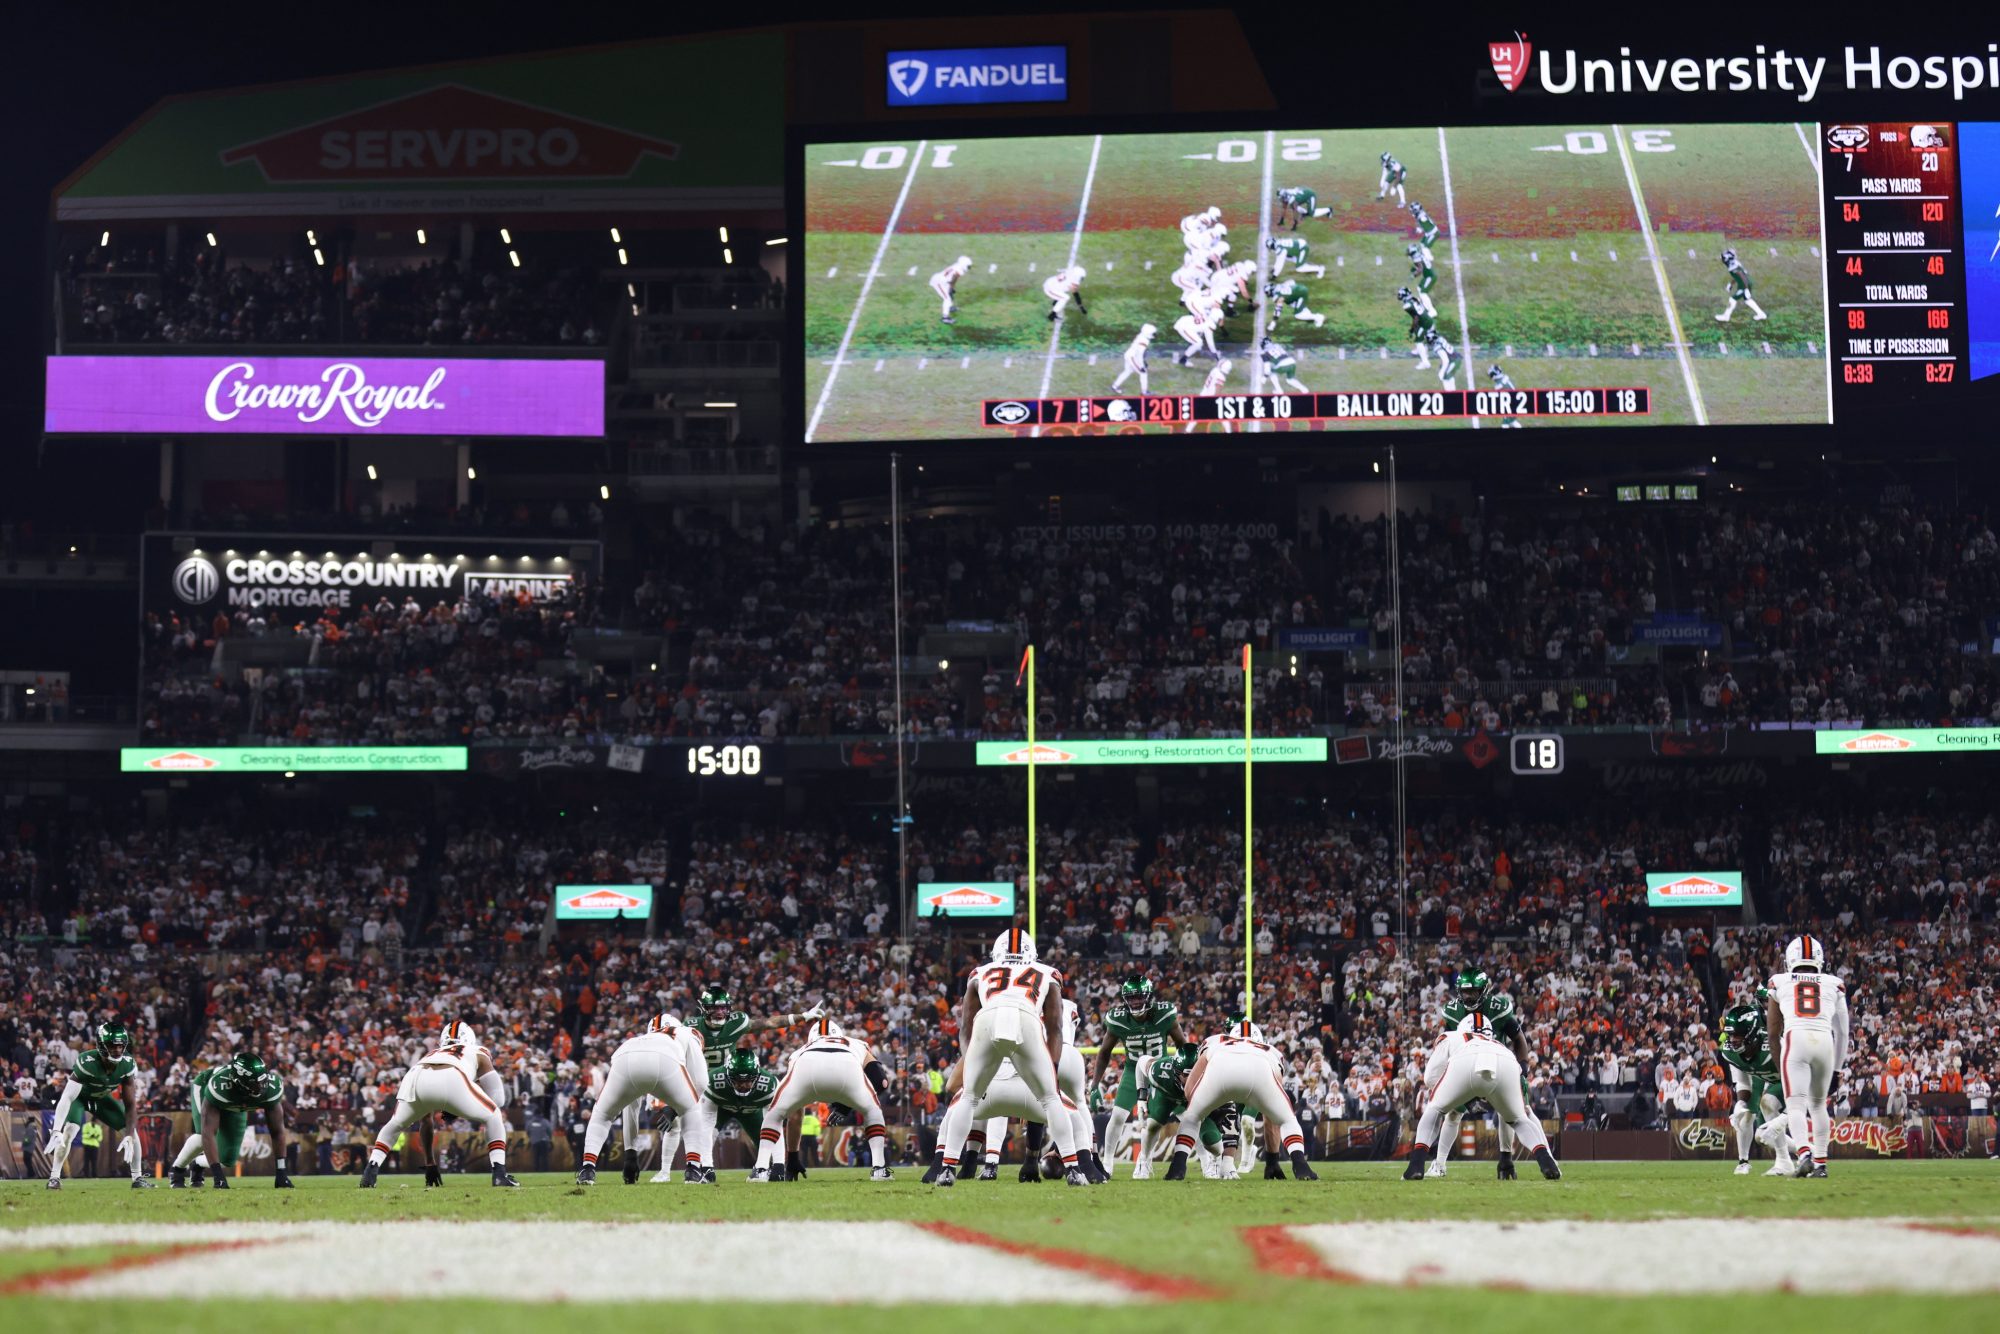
(830, 1067)
(945, 283)
(1011, 1013)
(666, 1061)
(1478, 1065)
(458, 1078)
(993, 1128)
(1239, 1066)
(1807, 1018)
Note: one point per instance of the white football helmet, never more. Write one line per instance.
(1805, 952)
(1243, 1028)
(965, 261)
(1076, 273)
(1014, 946)
(1121, 410)
(1221, 229)
(459, 1034)
(1212, 213)
(1476, 1024)
(1147, 332)
(663, 1021)
(824, 1027)
(1224, 366)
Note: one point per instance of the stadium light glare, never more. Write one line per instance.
(616, 239)
(944, 664)
(622, 259)
(506, 237)
(727, 257)
(719, 405)
(723, 233)
(515, 255)
(777, 240)
(1377, 465)
(104, 239)
(319, 258)
(211, 240)
(31, 690)
(312, 237)
(471, 474)
(631, 291)
(420, 237)
(372, 475)
(604, 492)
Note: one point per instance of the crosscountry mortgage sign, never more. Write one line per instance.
(965, 898)
(598, 902)
(1694, 889)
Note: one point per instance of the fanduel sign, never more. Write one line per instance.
(1763, 70)
(324, 396)
(979, 74)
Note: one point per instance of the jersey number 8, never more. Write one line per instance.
(1808, 999)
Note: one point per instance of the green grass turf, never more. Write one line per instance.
(1190, 1229)
(1551, 263)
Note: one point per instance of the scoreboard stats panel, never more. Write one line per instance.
(1498, 406)
(1895, 266)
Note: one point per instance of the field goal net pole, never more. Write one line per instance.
(902, 766)
(1399, 773)
(1249, 860)
(1027, 670)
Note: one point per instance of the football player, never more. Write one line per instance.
(1476, 1064)
(1197, 329)
(1145, 1025)
(1293, 296)
(1135, 359)
(1210, 387)
(1163, 1080)
(1421, 268)
(1231, 284)
(1393, 173)
(1427, 228)
(1739, 288)
(992, 1133)
(102, 1083)
(1204, 221)
(458, 1078)
(1212, 254)
(221, 1100)
(1502, 380)
(1300, 202)
(668, 1062)
(1759, 1113)
(1280, 364)
(1296, 249)
(1193, 278)
(1807, 1018)
(722, 1028)
(945, 283)
(1447, 355)
(1012, 1012)
(830, 1067)
(1062, 288)
(1240, 1067)
(1473, 993)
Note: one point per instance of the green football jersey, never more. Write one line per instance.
(1498, 1009)
(1503, 381)
(729, 1103)
(237, 1095)
(1739, 281)
(1300, 198)
(1281, 363)
(1166, 1083)
(1142, 1034)
(1294, 248)
(719, 1039)
(1752, 1055)
(99, 1074)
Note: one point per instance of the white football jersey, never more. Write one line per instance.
(950, 274)
(854, 1047)
(1072, 1019)
(1213, 384)
(1019, 986)
(671, 1041)
(1811, 1002)
(456, 1058)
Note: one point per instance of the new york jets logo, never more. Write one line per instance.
(1010, 413)
(196, 580)
(908, 76)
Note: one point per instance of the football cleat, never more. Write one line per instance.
(1301, 1169)
(142, 1183)
(500, 1178)
(989, 1171)
(881, 1174)
(708, 1176)
(177, 1178)
(1075, 1177)
(1177, 1169)
(433, 1176)
(220, 1182)
(1505, 1170)
(937, 1165)
(1142, 1170)
(1094, 1169)
(55, 1183)
(759, 1175)
(663, 1177)
(946, 1177)
(1547, 1162)
(1211, 1170)
(692, 1174)
(1434, 1172)
(1743, 1167)
(587, 1175)
(199, 1175)
(282, 1179)
(1414, 1169)
(368, 1175)
(1229, 1172)
(779, 1172)
(1272, 1172)
(1818, 1170)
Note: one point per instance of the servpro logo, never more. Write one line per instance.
(964, 897)
(181, 760)
(450, 132)
(603, 900)
(1694, 887)
(1876, 741)
(1042, 755)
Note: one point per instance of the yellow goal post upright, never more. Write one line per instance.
(1249, 858)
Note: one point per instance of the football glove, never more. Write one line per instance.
(433, 1175)
(283, 1179)
(631, 1167)
(818, 1009)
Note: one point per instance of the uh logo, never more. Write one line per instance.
(1510, 60)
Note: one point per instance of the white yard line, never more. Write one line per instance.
(1075, 240)
(1457, 273)
(867, 281)
(1257, 296)
(1660, 279)
(1825, 298)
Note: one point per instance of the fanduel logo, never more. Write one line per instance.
(908, 76)
(978, 74)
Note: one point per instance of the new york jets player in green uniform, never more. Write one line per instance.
(1745, 1047)
(1293, 296)
(722, 1026)
(1393, 175)
(1166, 1097)
(1421, 267)
(1423, 315)
(222, 1099)
(1427, 228)
(102, 1084)
(1502, 380)
(1280, 364)
(1473, 992)
(741, 1090)
(1447, 355)
(1300, 202)
(1294, 248)
(1146, 1025)
(1739, 288)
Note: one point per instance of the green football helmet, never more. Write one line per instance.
(715, 1002)
(1740, 1021)
(1136, 995)
(743, 1070)
(244, 1065)
(1473, 987)
(112, 1034)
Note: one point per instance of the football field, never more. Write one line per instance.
(1633, 1247)
(1580, 257)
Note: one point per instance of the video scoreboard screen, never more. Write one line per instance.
(1497, 277)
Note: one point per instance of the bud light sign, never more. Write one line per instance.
(978, 74)
(258, 395)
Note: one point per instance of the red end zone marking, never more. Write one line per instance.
(45, 1279)
(1278, 1253)
(1163, 1286)
(1955, 1230)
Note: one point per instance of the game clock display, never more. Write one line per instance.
(1537, 754)
(733, 760)
(1501, 406)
